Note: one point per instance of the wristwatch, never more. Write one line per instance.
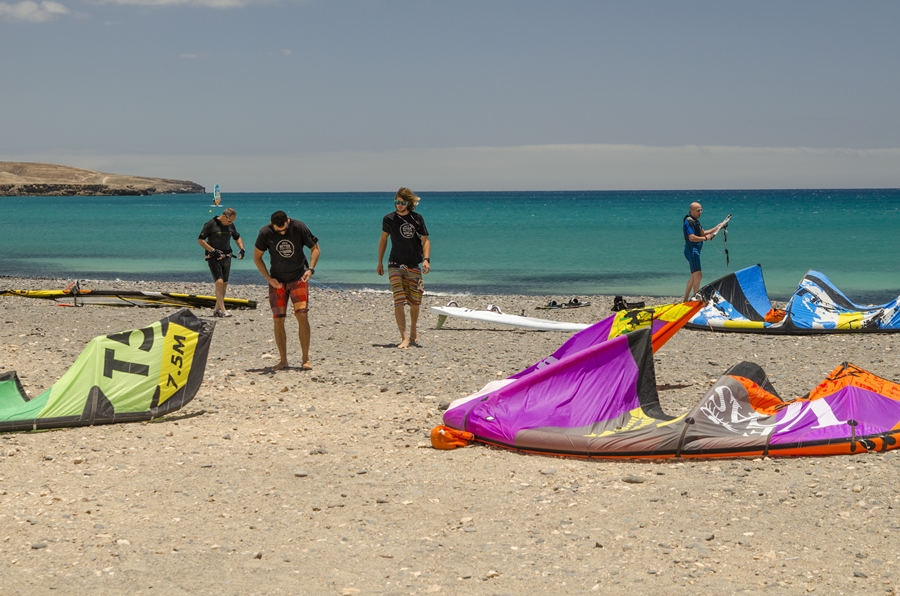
(311, 271)
(428, 259)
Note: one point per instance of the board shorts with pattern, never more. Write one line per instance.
(298, 291)
(406, 284)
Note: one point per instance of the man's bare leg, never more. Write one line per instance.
(304, 334)
(400, 315)
(220, 294)
(281, 343)
(413, 319)
(693, 285)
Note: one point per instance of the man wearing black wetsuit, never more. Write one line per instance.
(215, 238)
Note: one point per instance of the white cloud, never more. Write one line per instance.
(534, 167)
(32, 12)
(198, 3)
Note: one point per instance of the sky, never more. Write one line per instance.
(370, 95)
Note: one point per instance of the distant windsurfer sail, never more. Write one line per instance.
(217, 197)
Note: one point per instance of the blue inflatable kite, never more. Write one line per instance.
(739, 302)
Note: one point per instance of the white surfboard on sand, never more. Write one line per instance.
(495, 316)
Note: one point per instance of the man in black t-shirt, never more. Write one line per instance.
(410, 247)
(288, 277)
(215, 238)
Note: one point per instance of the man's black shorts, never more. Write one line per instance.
(221, 268)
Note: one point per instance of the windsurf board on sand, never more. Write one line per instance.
(494, 315)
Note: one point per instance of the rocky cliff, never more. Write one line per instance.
(42, 179)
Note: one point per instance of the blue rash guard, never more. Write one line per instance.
(692, 249)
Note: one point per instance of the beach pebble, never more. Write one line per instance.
(633, 479)
(405, 508)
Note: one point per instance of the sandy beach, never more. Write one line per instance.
(325, 482)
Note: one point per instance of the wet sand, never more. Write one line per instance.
(325, 482)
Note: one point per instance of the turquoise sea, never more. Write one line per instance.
(540, 243)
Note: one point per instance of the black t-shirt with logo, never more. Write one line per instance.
(219, 235)
(288, 261)
(405, 231)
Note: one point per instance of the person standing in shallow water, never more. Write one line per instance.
(288, 277)
(409, 259)
(215, 238)
(694, 237)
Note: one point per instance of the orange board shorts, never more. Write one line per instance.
(298, 291)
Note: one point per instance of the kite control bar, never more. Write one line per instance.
(722, 225)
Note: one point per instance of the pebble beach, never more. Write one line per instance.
(325, 481)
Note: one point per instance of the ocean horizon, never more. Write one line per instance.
(565, 243)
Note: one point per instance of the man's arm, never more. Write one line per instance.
(382, 246)
(426, 252)
(257, 260)
(706, 235)
(314, 253)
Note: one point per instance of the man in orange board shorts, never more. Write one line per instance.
(288, 276)
(408, 261)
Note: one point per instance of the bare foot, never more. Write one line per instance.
(414, 340)
(279, 366)
(306, 366)
(403, 344)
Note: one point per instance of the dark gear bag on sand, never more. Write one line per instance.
(620, 304)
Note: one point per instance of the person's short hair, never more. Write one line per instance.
(409, 196)
(229, 213)
(279, 218)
